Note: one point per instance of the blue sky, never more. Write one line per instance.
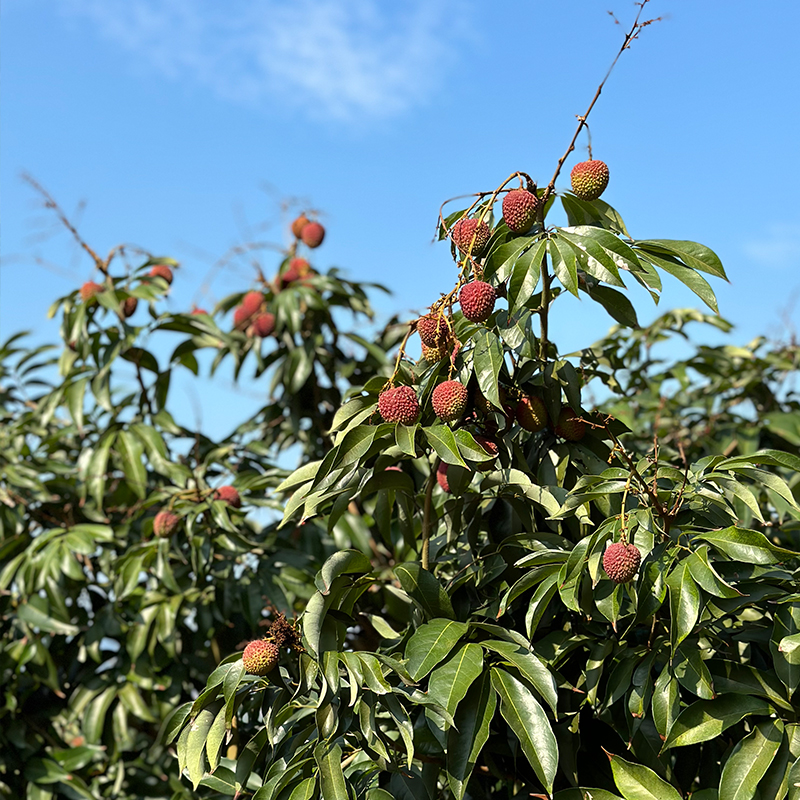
(181, 125)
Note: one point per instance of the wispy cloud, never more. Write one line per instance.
(778, 246)
(346, 59)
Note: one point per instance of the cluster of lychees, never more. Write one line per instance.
(262, 655)
(89, 291)
(167, 522)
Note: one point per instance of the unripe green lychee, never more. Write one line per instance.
(129, 306)
(433, 330)
(90, 289)
(165, 524)
(260, 656)
(621, 561)
(589, 179)
(519, 210)
(263, 324)
(470, 235)
(441, 477)
(312, 234)
(449, 400)
(298, 225)
(477, 300)
(161, 271)
(434, 354)
(399, 404)
(570, 426)
(229, 495)
(531, 414)
(250, 306)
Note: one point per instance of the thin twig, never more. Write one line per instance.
(426, 519)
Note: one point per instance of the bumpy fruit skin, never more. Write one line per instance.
(441, 477)
(161, 271)
(90, 289)
(621, 561)
(449, 400)
(491, 447)
(589, 179)
(165, 524)
(467, 229)
(477, 300)
(263, 324)
(229, 495)
(433, 330)
(129, 306)
(399, 404)
(260, 656)
(298, 225)
(531, 414)
(519, 210)
(434, 354)
(569, 425)
(312, 234)
(247, 309)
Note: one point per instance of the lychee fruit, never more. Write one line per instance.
(477, 300)
(229, 495)
(449, 400)
(298, 225)
(165, 524)
(197, 311)
(434, 354)
(441, 477)
(298, 270)
(519, 210)
(161, 271)
(247, 309)
(621, 561)
(90, 289)
(491, 447)
(260, 656)
(470, 235)
(312, 234)
(399, 404)
(263, 324)
(589, 179)
(129, 306)
(570, 426)
(433, 330)
(531, 414)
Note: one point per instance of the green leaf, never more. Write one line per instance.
(581, 793)
(449, 683)
(565, 264)
(487, 361)
(530, 666)
(466, 738)
(697, 283)
(404, 437)
(636, 782)
(684, 602)
(424, 588)
(666, 702)
(527, 719)
(331, 777)
(194, 759)
(344, 562)
(430, 644)
(501, 260)
(749, 761)
(706, 719)
(742, 544)
(131, 451)
(443, 441)
(694, 255)
(525, 276)
(616, 304)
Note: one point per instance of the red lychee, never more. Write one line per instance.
(129, 306)
(519, 210)
(260, 656)
(298, 225)
(621, 561)
(531, 414)
(165, 524)
(570, 426)
(90, 289)
(441, 477)
(491, 447)
(197, 311)
(298, 270)
(263, 324)
(399, 404)
(449, 400)
(477, 301)
(229, 495)
(470, 235)
(161, 271)
(312, 234)
(247, 309)
(433, 330)
(589, 179)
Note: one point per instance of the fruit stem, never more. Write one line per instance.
(412, 326)
(426, 518)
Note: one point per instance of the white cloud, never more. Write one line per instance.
(778, 247)
(346, 59)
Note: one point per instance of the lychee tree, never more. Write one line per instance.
(555, 601)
